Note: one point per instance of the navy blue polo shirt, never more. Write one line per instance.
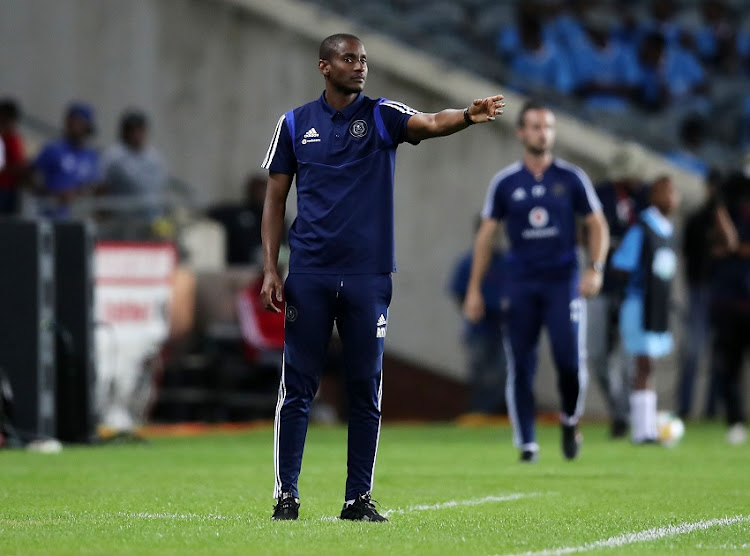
(540, 217)
(344, 163)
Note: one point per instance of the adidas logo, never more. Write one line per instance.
(311, 133)
(382, 322)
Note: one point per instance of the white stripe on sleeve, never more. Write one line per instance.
(489, 200)
(588, 187)
(400, 106)
(274, 143)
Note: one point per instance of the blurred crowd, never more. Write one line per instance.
(615, 59)
(125, 182)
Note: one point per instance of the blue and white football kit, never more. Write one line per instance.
(630, 257)
(341, 260)
(542, 284)
(647, 254)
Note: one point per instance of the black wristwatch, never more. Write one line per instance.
(467, 117)
(597, 266)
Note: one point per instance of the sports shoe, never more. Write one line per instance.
(362, 509)
(619, 429)
(287, 507)
(529, 456)
(571, 441)
(737, 434)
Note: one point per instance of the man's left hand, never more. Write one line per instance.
(485, 109)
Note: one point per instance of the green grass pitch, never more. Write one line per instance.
(448, 490)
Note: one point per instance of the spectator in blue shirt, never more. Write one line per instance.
(340, 150)
(718, 40)
(539, 66)
(626, 32)
(667, 74)
(662, 21)
(509, 38)
(483, 339)
(567, 27)
(693, 133)
(67, 166)
(605, 73)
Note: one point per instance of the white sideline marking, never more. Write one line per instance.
(642, 536)
(178, 516)
(420, 508)
(457, 503)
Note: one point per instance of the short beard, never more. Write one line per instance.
(537, 151)
(348, 90)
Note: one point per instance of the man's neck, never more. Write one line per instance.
(74, 141)
(537, 164)
(339, 100)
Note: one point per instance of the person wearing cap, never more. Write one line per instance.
(134, 170)
(67, 167)
(623, 196)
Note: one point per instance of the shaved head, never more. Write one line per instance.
(330, 44)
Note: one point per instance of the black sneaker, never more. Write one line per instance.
(619, 430)
(287, 507)
(571, 441)
(529, 456)
(362, 509)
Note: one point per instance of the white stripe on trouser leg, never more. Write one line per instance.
(277, 431)
(510, 392)
(377, 438)
(583, 356)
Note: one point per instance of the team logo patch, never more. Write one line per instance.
(291, 313)
(538, 217)
(558, 190)
(518, 195)
(358, 128)
(538, 190)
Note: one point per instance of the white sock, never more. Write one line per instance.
(643, 415)
(652, 431)
(637, 416)
(349, 502)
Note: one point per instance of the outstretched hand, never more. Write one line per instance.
(485, 109)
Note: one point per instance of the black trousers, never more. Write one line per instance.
(731, 343)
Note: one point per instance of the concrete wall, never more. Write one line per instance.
(216, 75)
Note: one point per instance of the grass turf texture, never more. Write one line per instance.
(211, 495)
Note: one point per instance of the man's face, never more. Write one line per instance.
(665, 196)
(76, 127)
(347, 69)
(136, 137)
(538, 132)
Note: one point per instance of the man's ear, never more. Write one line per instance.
(323, 67)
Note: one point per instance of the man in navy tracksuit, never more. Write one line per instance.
(539, 198)
(342, 150)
